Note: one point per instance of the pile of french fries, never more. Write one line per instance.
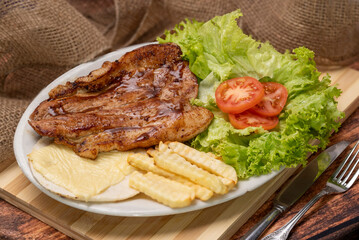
(175, 174)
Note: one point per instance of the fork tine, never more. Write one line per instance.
(352, 169)
(335, 174)
(350, 183)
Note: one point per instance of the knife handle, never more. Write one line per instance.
(259, 228)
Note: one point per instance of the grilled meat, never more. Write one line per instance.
(136, 101)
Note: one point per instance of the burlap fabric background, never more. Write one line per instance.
(40, 40)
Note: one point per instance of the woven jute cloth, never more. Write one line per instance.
(41, 39)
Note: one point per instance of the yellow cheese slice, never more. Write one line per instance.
(82, 177)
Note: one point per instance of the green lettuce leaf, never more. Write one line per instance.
(218, 50)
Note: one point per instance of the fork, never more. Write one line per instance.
(339, 182)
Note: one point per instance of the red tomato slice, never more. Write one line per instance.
(239, 94)
(273, 102)
(250, 119)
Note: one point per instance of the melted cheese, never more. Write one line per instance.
(83, 177)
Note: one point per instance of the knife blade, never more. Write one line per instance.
(297, 187)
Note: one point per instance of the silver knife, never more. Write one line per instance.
(297, 187)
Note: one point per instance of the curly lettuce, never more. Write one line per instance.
(218, 50)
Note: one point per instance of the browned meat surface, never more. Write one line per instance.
(137, 101)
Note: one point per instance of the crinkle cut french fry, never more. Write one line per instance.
(152, 152)
(177, 164)
(162, 147)
(227, 182)
(204, 161)
(161, 189)
(213, 155)
(201, 193)
(146, 163)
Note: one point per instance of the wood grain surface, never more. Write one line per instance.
(333, 217)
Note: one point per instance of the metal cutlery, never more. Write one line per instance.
(297, 187)
(340, 181)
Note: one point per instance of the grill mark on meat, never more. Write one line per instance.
(137, 101)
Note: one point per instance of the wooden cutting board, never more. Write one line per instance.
(218, 222)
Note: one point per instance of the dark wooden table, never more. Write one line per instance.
(333, 217)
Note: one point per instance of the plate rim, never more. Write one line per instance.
(25, 167)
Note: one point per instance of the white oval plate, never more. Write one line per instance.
(25, 139)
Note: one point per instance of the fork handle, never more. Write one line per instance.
(283, 232)
(259, 228)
